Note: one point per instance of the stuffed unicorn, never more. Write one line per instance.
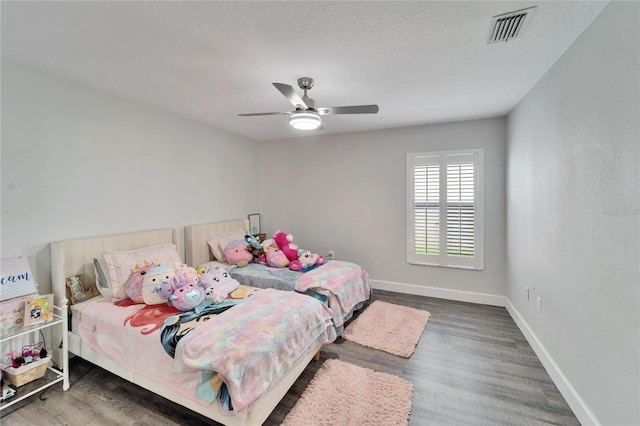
(133, 287)
(309, 260)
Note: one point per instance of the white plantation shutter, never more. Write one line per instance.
(426, 209)
(444, 197)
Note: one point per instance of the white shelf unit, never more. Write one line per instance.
(53, 375)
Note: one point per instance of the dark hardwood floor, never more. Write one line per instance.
(472, 367)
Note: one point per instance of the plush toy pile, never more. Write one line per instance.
(299, 260)
(182, 287)
(277, 252)
(187, 289)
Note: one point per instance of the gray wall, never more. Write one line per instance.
(573, 214)
(347, 193)
(77, 162)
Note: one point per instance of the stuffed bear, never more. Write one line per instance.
(217, 284)
(237, 254)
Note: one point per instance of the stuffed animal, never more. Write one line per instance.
(217, 284)
(186, 275)
(276, 258)
(187, 297)
(133, 287)
(254, 247)
(283, 241)
(268, 244)
(165, 290)
(237, 254)
(309, 260)
(156, 278)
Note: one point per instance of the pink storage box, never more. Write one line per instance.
(11, 316)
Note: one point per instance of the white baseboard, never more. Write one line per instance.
(576, 403)
(441, 293)
(580, 409)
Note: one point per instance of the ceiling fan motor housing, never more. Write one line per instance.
(306, 83)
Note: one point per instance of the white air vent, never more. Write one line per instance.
(510, 25)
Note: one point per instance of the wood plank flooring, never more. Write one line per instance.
(472, 367)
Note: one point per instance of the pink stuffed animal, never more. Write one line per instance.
(309, 260)
(217, 284)
(283, 241)
(187, 297)
(276, 258)
(186, 275)
(134, 283)
(237, 254)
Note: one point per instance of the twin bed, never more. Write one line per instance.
(125, 340)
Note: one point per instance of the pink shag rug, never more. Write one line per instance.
(345, 394)
(388, 327)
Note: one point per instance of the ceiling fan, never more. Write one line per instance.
(306, 116)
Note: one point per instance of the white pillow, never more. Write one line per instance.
(219, 243)
(121, 263)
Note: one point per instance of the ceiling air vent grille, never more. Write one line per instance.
(509, 25)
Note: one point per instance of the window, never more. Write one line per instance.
(444, 209)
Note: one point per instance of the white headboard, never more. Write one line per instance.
(196, 239)
(72, 257)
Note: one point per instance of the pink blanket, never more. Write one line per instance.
(252, 345)
(344, 283)
(130, 336)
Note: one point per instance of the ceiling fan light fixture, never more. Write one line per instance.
(305, 120)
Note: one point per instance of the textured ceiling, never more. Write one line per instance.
(421, 61)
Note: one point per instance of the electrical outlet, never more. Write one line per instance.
(539, 304)
(526, 293)
(331, 254)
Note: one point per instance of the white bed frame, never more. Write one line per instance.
(74, 257)
(196, 237)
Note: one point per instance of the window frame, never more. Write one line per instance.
(442, 159)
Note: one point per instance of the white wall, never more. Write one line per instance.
(573, 217)
(347, 193)
(77, 162)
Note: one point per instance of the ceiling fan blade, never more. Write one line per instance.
(355, 109)
(291, 95)
(264, 113)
